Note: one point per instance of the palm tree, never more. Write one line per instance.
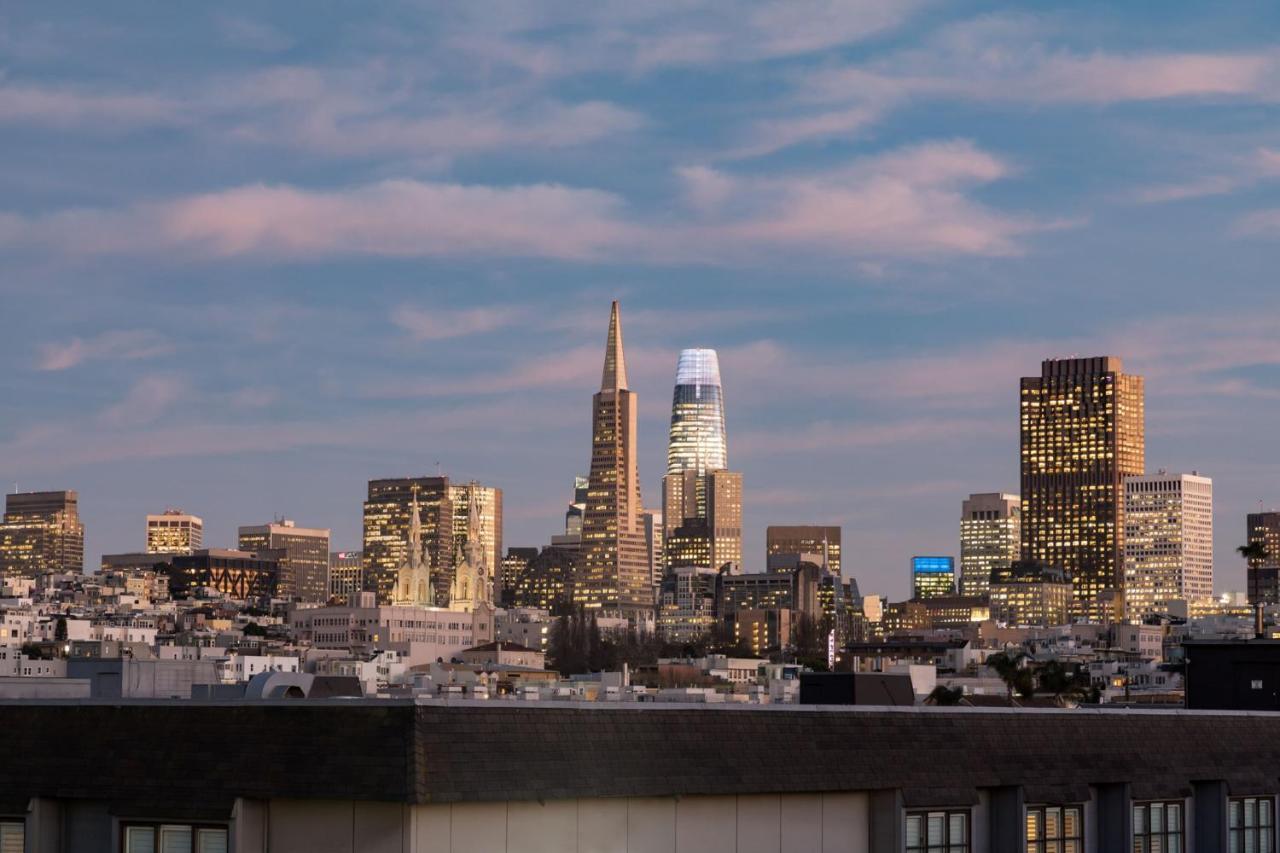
(1008, 666)
(1253, 551)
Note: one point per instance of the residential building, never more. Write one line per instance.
(1082, 433)
(234, 574)
(419, 634)
(932, 577)
(1168, 541)
(174, 532)
(404, 775)
(615, 578)
(41, 532)
(990, 538)
(346, 575)
(302, 554)
(1263, 528)
(805, 539)
(388, 514)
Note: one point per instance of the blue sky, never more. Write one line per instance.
(252, 255)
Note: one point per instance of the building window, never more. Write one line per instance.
(1055, 829)
(938, 832)
(13, 836)
(1157, 827)
(1252, 825)
(173, 838)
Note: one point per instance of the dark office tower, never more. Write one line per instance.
(301, 552)
(698, 494)
(1264, 573)
(41, 532)
(796, 539)
(1082, 434)
(386, 531)
(615, 576)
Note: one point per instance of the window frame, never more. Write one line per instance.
(156, 825)
(1256, 832)
(946, 846)
(1164, 834)
(19, 822)
(1039, 845)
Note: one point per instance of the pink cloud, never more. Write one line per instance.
(122, 345)
(432, 324)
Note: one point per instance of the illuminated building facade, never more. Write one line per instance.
(687, 603)
(1263, 528)
(698, 491)
(346, 575)
(235, 574)
(1168, 541)
(1082, 433)
(799, 539)
(387, 516)
(616, 579)
(932, 577)
(41, 532)
(1028, 595)
(488, 503)
(302, 553)
(174, 532)
(546, 580)
(990, 537)
(513, 564)
(654, 545)
(761, 630)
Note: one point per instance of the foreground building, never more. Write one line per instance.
(616, 578)
(990, 538)
(1168, 541)
(1083, 432)
(41, 532)
(340, 776)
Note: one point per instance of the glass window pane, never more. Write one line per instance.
(1139, 819)
(1053, 823)
(913, 831)
(1033, 824)
(1174, 843)
(958, 833)
(1265, 842)
(1155, 814)
(1071, 847)
(1249, 842)
(175, 839)
(1173, 817)
(1071, 822)
(139, 839)
(934, 827)
(1265, 811)
(211, 841)
(12, 837)
(1236, 813)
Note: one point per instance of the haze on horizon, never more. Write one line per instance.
(252, 257)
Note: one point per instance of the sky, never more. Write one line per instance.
(254, 255)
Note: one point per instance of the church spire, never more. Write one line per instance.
(615, 363)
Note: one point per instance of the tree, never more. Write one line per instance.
(1061, 681)
(60, 630)
(1253, 551)
(1009, 667)
(944, 695)
(253, 629)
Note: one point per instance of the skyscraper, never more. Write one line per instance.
(1082, 434)
(387, 516)
(1263, 528)
(302, 552)
(932, 577)
(797, 539)
(615, 575)
(174, 532)
(41, 532)
(346, 575)
(488, 501)
(700, 498)
(990, 537)
(1168, 541)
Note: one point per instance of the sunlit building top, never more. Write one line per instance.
(697, 437)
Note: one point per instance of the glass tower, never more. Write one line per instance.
(696, 441)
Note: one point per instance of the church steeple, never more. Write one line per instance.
(615, 363)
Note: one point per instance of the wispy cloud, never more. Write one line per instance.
(71, 107)
(147, 401)
(433, 324)
(119, 345)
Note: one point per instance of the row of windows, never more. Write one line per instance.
(1158, 827)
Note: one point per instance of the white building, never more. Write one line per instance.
(419, 634)
(527, 626)
(240, 668)
(1168, 541)
(174, 532)
(990, 538)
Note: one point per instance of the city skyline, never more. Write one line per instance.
(396, 244)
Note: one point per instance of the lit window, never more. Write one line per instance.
(1157, 827)
(1252, 825)
(938, 832)
(1055, 829)
(12, 836)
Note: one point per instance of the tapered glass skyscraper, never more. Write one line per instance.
(701, 500)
